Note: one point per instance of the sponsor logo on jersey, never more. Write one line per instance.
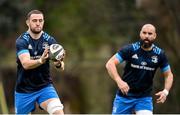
(143, 63)
(135, 56)
(30, 47)
(142, 67)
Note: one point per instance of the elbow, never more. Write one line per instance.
(108, 64)
(25, 66)
(172, 77)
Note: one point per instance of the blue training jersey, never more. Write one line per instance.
(140, 68)
(33, 79)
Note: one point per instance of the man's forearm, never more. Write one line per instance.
(31, 64)
(168, 82)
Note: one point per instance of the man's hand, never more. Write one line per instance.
(162, 96)
(123, 86)
(44, 56)
(59, 64)
(63, 56)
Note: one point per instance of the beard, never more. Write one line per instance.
(35, 31)
(146, 43)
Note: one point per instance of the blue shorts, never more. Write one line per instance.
(25, 102)
(129, 105)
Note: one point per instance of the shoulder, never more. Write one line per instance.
(23, 38)
(157, 50)
(127, 51)
(47, 37)
(135, 46)
(130, 47)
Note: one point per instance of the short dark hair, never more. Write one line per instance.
(33, 12)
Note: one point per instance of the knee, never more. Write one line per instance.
(144, 112)
(55, 107)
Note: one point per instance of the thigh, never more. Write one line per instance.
(46, 95)
(144, 103)
(24, 103)
(123, 105)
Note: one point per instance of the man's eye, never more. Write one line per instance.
(150, 33)
(34, 20)
(40, 20)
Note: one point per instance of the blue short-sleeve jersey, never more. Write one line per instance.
(33, 79)
(140, 68)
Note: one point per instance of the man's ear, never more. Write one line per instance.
(27, 22)
(155, 36)
(140, 33)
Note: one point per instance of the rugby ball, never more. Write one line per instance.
(56, 52)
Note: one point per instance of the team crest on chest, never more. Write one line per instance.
(45, 45)
(154, 59)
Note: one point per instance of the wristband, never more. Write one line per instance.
(166, 92)
(58, 66)
(40, 61)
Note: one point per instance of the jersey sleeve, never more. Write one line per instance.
(164, 65)
(21, 46)
(52, 40)
(49, 39)
(124, 53)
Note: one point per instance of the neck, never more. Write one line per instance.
(35, 36)
(147, 49)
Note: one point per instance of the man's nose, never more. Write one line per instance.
(146, 35)
(38, 23)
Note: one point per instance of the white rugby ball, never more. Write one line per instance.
(56, 52)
